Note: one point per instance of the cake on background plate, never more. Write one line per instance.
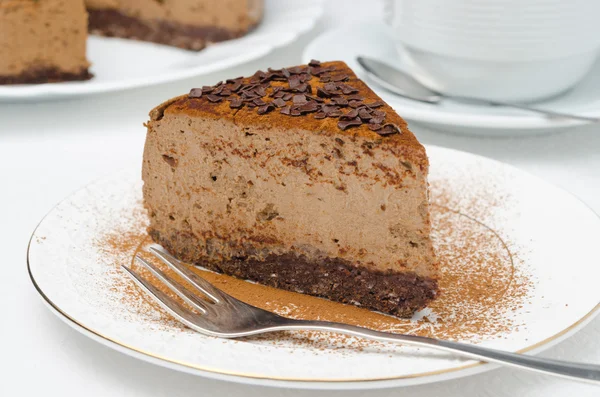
(190, 24)
(301, 179)
(42, 41)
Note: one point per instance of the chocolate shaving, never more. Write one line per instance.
(235, 86)
(309, 107)
(375, 104)
(279, 102)
(294, 81)
(328, 107)
(299, 99)
(248, 95)
(296, 70)
(236, 103)
(260, 91)
(195, 93)
(320, 115)
(248, 87)
(375, 127)
(302, 87)
(329, 87)
(266, 108)
(315, 70)
(258, 76)
(345, 124)
(314, 98)
(214, 98)
(364, 114)
(347, 89)
(314, 62)
(340, 101)
(318, 71)
(389, 129)
(285, 110)
(218, 90)
(288, 96)
(340, 77)
(258, 102)
(322, 93)
(304, 77)
(350, 115)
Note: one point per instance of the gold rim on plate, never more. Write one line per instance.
(572, 328)
(481, 365)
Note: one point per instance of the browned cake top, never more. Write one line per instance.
(320, 97)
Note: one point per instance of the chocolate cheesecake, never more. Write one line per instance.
(300, 178)
(42, 41)
(189, 24)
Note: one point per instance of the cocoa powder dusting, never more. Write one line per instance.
(481, 283)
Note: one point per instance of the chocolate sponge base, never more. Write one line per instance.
(45, 75)
(396, 293)
(112, 23)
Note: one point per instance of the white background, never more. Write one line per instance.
(48, 150)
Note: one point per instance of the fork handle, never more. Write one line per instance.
(577, 371)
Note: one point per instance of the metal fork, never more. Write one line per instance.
(221, 315)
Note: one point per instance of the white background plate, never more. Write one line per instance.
(373, 38)
(119, 64)
(557, 232)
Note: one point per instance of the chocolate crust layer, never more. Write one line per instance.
(45, 75)
(113, 23)
(397, 293)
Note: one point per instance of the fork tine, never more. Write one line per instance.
(174, 286)
(170, 305)
(207, 288)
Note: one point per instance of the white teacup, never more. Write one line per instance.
(520, 50)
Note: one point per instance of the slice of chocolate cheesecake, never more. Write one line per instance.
(300, 178)
(42, 41)
(189, 24)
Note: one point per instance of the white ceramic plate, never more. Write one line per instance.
(119, 64)
(373, 38)
(552, 233)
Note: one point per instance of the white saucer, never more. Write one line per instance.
(119, 64)
(77, 273)
(372, 38)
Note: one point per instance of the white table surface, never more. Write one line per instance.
(48, 150)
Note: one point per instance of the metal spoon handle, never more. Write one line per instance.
(549, 113)
(401, 83)
(577, 371)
